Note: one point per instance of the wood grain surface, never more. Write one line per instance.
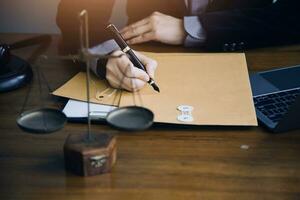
(165, 162)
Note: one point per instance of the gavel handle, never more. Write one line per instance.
(31, 41)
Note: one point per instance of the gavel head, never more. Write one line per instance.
(4, 55)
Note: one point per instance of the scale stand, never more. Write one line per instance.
(92, 154)
(89, 154)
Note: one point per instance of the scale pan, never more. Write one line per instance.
(130, 118)
(42, 121)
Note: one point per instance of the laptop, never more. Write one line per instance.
(276, 98)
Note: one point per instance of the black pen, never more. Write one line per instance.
(126, 49)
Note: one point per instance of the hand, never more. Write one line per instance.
(157, 27)
(121, 73)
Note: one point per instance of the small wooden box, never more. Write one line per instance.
(90, 158)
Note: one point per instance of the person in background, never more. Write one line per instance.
(215, 25)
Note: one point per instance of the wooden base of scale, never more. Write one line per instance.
(89, 158)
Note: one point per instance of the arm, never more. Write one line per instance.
(244, 24)
(67, 20)
(168, 29)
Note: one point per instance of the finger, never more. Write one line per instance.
(142, 22)
(136, 24)
(135, 84)
(117, 53)
(157, 13)
(113, 66)
(137, 31)
(132, 81)
(129, 70)
(130, 84)
(149, 64)
(146, 37)
(122, 67)
(115, 82)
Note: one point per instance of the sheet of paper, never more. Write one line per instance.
(78, 109)
(216, 86)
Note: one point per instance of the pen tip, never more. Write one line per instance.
(156, 88)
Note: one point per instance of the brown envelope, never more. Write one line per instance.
(100, 91)
(216, 86)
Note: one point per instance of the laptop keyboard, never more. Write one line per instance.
(275, 105)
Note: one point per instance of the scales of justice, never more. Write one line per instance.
(88, 153)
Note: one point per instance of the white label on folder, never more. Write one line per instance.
(185, 108)
(186, 113)
(185, 118)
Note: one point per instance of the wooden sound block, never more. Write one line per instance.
(90, 158)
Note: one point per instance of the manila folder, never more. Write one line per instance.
(216, 86)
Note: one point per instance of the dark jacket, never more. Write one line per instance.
(243, 24)
(230, 25)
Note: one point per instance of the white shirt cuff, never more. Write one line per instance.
(196, 34)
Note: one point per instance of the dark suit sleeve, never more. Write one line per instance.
(67, 20)
(238, 29)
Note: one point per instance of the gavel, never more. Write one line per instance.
(5, 49)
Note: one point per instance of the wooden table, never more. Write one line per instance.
(161, 163)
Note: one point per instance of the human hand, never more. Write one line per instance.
(157, 27)
(121, 73)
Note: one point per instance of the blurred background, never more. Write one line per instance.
(38, 16)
